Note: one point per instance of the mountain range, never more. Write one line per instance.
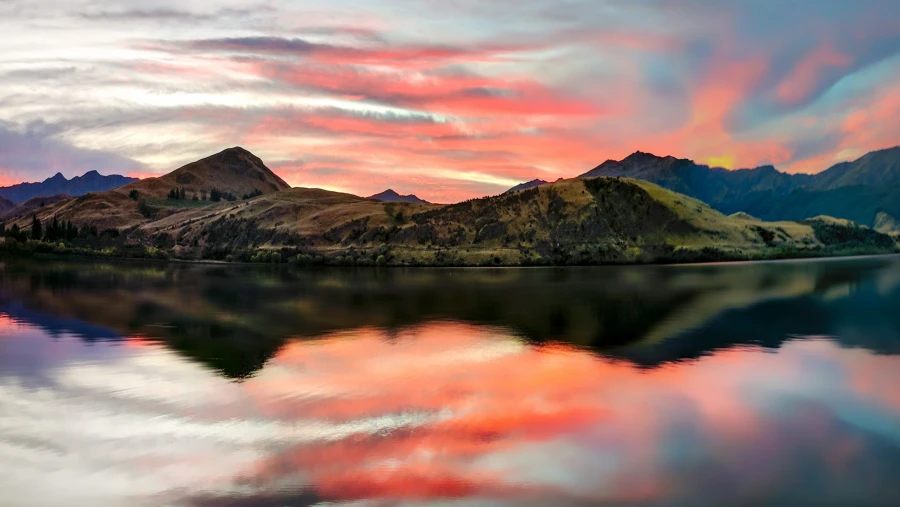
(858, 190)
(91, 181)
(866, 190)
(252, 215)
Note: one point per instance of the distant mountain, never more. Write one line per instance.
(91, 181)
(769, 194)
(391, 196)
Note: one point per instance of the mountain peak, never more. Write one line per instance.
(641, 155)
(390, 195)
(57, 177)
(233, 171)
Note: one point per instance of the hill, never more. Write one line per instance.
(579, 221)
(91, 181)
(391, 196)
(768, 193)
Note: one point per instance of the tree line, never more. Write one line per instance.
(53, 231)
(215, 195)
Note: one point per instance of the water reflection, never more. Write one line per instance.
(768, 384)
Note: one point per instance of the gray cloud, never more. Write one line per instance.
(37, 152)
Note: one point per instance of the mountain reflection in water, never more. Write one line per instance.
(754, 384)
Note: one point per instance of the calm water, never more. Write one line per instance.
(755, 384)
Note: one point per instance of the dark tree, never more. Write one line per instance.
(36, 229)
(181, 194)
(53, 230)
(134, 194)
(16, 234)
(215, 195)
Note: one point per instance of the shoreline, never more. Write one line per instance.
(661, 262)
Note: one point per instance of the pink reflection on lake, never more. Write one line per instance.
(478, 414)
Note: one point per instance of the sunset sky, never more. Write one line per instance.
(446, 99)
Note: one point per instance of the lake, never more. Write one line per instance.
(750, 384)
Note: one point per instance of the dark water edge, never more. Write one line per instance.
(656, 255)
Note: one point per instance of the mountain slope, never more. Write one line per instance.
(860, 204)
(91, 181)
(875, 168)
(390, 195)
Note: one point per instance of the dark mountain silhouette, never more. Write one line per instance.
(6, 204)
(91, 181)
(856, 190)
(390, 196)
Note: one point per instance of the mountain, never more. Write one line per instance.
(391, 196)
(851, 190)
(234, 171)
(91, 181)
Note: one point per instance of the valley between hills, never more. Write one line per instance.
(231, 207)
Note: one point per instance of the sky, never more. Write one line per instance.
(448, 99)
